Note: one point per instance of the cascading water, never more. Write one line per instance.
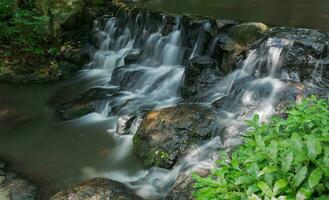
(146, 66)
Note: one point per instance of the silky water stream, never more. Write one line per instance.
(57, 154)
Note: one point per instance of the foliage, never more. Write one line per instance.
(285, 159)
(22, 28)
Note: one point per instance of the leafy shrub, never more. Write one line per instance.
(285, 159)
(22, 27)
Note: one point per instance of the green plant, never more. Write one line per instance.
(21, 27)
(284, 159)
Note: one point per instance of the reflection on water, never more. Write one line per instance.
(303, 13)
(57, 154)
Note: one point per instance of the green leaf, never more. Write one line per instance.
(299, 177)
(252, 189)
(282, 183)
(243, 180)
(256, 157)
(296, 139)
(254, 197)
(303, 194)
(273, 150)
(282, 198)
(267, 170)
(315, 177)
(326, 160)
(265, 188)
(314, 147)
(323, 197)
(286, 162)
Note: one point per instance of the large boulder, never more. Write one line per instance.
(167, 135)
(97, 189)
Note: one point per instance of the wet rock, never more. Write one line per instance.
(305, 59)
(167, 135)
(295, 93)
(132, 57)
(200, 74)
(183, 188)
(18, 189)
(97, 189)
(84, 104)
(227, 52)
(13, 187)
(247, 33)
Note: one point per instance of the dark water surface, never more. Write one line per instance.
(52, 153)
(300, 13)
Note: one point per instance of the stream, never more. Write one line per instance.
(138, 67)
(52, 153)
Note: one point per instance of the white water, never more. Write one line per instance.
(153, 81)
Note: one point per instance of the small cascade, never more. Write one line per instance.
(147, 64)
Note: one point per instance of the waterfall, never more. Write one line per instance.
(146, 63)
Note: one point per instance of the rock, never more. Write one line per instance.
(183, 188)
(304, 55)
(200, 74)
(224, 23)
(247, 33)
(4, 194)
(19, 189)
(97, 189)
(301, 55)
(83, 104)
(227, 52)
(13, 187)
(132, 58)
(167, 135)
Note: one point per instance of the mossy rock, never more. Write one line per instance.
(167, 135)
(247, 33)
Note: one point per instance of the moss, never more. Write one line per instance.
(247, 33)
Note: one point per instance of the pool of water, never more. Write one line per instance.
(300, 13)
(56, 154)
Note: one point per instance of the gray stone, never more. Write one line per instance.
(97, 189)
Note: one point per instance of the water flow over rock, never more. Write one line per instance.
(228, 81)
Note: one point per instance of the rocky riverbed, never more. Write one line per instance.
(179, 89)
